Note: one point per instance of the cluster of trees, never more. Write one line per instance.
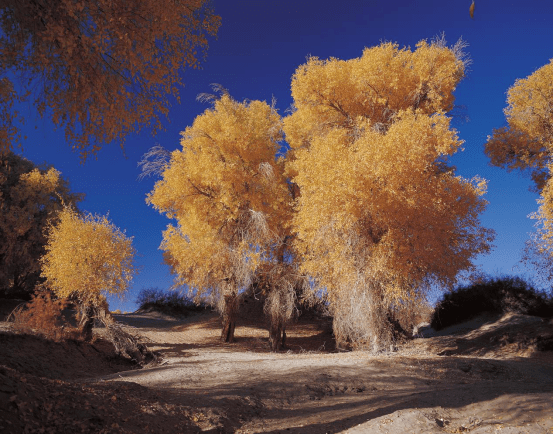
(233, 207)
(100, 70)
(363, 207)
(362, 210)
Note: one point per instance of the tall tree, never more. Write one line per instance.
(87, 256)
(526, 144)
(102, 69)
(30, 197)
(380, 212)
(230, 200)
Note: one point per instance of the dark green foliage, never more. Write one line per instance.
(167, 302)
(494, 295)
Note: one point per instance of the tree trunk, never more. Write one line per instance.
(86, 322)
(277, 336)
(229, 319)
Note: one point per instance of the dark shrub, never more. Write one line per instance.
(168, 302)
(495, 295)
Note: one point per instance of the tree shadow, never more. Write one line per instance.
(303, 336)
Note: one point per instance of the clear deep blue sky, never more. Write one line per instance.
(259, 46)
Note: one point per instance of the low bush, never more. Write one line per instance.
(167, 302)
(42, 315)
(494, 295)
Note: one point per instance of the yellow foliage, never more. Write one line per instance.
(228, 196)
(379, 206)
(369, 91)
(85, 256)
(526, 144)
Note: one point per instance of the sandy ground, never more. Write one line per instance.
(476, 384)
(485, 376)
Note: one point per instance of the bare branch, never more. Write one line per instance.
(154, 162)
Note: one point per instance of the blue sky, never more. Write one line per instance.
(259, 46)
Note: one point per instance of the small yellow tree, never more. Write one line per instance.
(87, 256)
(380, 212)
(526, 144)
(227, 192)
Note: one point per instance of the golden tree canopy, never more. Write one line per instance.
(373, 88)
(30, 197)
(103, 68)
(227, 192)
(526, 143)
(370, 141)
(86, 256)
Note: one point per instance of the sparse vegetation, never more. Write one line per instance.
(411, 312)
(495, 295)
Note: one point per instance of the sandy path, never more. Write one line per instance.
(243, 388)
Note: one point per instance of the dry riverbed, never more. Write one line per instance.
(486, 376)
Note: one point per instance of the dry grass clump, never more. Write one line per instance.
(42, 315)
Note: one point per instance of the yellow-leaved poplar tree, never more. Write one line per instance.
(230, 200)
(87, 256)
(30, 197)
(380, 212)
(526, 145)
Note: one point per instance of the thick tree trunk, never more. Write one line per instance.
(229, 319)
(86, 322)
(277, 336)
